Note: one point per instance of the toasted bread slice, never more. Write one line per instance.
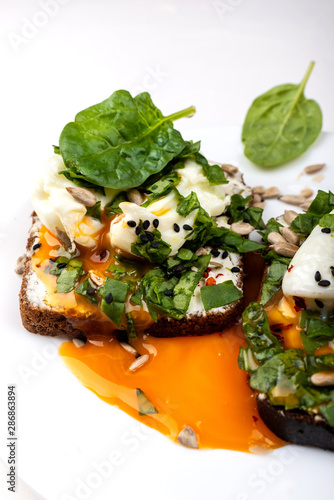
(38, 317)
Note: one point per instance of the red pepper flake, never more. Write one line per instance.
(220, 274)
(205, 274)
(255, 418)
(299, 303)
(290, 268)
(210, 282)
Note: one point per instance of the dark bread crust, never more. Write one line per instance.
(46, 321)
(296, 426)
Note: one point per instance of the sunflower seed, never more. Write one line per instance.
(257, 198)
(312, 169)
(82, 195)
(285, 249)
(259, 204)
(289, 235)
(134, 196)
(78, 342)
(242, 228)
(323, 378)
(129, 348)
(201, 251)
(20, 264)
(270, 193)
(258, 190)
(275, 237)
(96, 279)
(289, 216)
(187, 437)
(229, 169)
(292, 199)
(63, 238)
(139, 362)
(318, 178)
(306, 192)
(306, 205)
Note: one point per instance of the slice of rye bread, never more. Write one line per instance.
(38, 317)
(296, 426)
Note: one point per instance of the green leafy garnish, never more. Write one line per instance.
(162, 187)
(272, 283)
(95, 211)
(82, 290)
(188, 204)
(145, 407)
(322, 204)
(121, 141)
(240, 211)
(214, 173)
(158, 252)
(130, 326)
(327, 221)
(220, 295)
(316, 332)
(113, 207)
(68, 277)
(114, 295)
(281, 124)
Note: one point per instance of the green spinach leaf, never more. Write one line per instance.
(273, 281)
(113, 295)
(220, 295)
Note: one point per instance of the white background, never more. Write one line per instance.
(216, 55)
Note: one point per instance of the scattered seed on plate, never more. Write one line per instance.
(271, 193)
(285, 249)
(109, 298)
(275, 237)
(306, 192)
(324, 283)
(90, 291)
(289, 216)
(257, 198)
(318, 178)
(149, 236)
(155, 223)
(292, 199)
(242, 228)
(235, 269)
(259, 204)
(229, 169)
(144, 238)
(134, 196)
(215, 252)
(319, 303)
(129, 348)
(155, 244)
(325, 230)
(306, 205)
(63, 238)
(96, 279)
(186, 227)
(187, 437)
(78, 342)
(82, 195)
(323, 379)
(37, 246)
(138, 229)
(20, 264)
(146, 224)
(139, 362)
(317, 276)
(131, 223)
(176, 227)
(61, 265)
(312, 169)
(258, 190)
(224, 254)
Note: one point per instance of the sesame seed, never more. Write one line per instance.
(325, 230)
(155, 244)
(37, 246)
(149, 236)
(317, 276)
(179, 268)
(146, 224)
(319, 303)
(324, 283)
(186, 227)
(176, 227)
(90, 291)
(144, 238)
(332, 270)
(61, 265)
(155, 223)
(235, 269)
(168, 293)
(224, 254)
(131, 223)
(109, 298)
(215, 252)
(138, 229)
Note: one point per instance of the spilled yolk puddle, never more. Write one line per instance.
(191, 381)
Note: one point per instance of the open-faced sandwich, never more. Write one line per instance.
(290, 332)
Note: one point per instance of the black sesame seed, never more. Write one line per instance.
(90, 291)
(131, 223)
(61, 265)
(144, 238)
(324, 283)
(169, 293)
(319, 303)
(146, 224)
(138, 230)
(155, 244)
(37, 246)
(317, 276)
(155, 223)
(176, 228)
(235, 269)
(109, 298)
(149, 236)
(179, 268)
(224, 254)
(325, 230)
(332, 270)
(186, 227)
(215, 252)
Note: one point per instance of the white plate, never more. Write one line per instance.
(71, 445)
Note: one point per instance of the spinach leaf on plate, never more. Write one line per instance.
(121, 141)
(281, 124)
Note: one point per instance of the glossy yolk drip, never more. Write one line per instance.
(191, 381)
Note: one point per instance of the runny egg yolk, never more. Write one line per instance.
(191, 381)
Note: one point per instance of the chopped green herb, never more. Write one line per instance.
(95, 211)
(220, 295)
(113, 306)
(83, 288)
(130, 326)
(273, 281)
(188, 204)
(113, 207)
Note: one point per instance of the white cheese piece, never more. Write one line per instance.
(56, 207)
(315, 254)
(164, 209)
(220, 271)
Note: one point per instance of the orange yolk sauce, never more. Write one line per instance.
(191, 381)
